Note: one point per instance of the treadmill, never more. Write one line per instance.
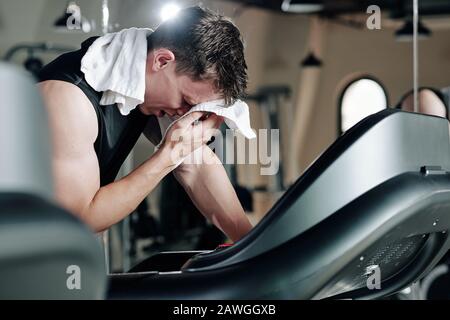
(377, 199)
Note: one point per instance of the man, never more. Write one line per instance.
(199, 58)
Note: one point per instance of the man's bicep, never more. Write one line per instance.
(77, 180)
(74, 128)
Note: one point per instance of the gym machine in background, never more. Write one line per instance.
(33, 63)
(270, 100)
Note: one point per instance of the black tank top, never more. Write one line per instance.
(117, 134)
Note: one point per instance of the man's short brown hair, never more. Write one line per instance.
(206, 45)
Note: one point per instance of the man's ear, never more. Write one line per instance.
(161, 58)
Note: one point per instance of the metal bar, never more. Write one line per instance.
(415, 54)
(105, 17)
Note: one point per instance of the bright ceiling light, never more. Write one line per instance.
(169, 11)
(302, 6)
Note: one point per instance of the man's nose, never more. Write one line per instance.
(182, 110)
(169, 112)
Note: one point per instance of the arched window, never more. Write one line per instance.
(359, 99)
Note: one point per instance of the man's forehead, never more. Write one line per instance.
(198, 91)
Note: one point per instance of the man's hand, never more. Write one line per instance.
(209, 188)
(188, 134)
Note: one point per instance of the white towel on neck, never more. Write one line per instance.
(115, 65)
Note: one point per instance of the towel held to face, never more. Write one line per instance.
(236, 117)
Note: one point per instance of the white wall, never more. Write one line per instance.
(350, 52)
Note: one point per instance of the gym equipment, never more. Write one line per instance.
(378, 198)
(376, 202)
(45, 252)
(269, 99)
(33, 63)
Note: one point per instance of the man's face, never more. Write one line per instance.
(168, 92)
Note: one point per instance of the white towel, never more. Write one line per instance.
(115, 65)
(236, 117)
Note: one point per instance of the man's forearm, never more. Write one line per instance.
(211, 191)
(116, 200)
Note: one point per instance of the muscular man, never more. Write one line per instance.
(199, 58)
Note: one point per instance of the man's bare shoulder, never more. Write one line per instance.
(69, 109)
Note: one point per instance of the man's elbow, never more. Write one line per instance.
(85, 214)
(91, 221)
